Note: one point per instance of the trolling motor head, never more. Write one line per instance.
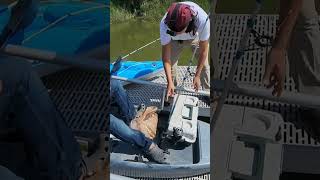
(22, 15)
(180, 17)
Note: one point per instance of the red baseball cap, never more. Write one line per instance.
(178, 16)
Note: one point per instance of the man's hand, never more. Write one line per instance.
(170, 90)
(196, 83)
(274, 75)
(203, 55)
(275, 68)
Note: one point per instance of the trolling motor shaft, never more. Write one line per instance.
(240, 52)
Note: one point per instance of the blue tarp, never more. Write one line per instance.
(73, 34)
(132, 69)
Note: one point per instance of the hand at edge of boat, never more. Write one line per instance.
(170, 90)
(274, 75)
(196, 83)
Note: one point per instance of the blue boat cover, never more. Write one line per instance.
(133, 69)
(74, 34)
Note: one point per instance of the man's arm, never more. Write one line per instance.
(274, 75)
(166, 53)
(203, 55)
(289, 12)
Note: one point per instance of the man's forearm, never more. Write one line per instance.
(202, 59)
(289, 12)
(167, 69)
(203, 55)
(166, 55)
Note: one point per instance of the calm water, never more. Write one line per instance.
(128, 36)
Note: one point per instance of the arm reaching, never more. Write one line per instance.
(166, 51)
(275, 67)
(203, 54)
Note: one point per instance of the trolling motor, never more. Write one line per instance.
(183, 121)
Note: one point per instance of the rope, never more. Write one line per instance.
(63, 18)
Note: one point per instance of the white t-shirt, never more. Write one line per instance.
(202, 25)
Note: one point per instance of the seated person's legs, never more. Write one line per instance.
(122, 131)
(43, 128)
(120, 96)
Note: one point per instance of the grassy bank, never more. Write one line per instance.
(151, 10)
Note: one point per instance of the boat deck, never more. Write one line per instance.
(154, 96)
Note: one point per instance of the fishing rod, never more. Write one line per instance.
(124, 57)
(239, 54)
(117, 63)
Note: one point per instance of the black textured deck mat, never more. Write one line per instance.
(82, 97)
